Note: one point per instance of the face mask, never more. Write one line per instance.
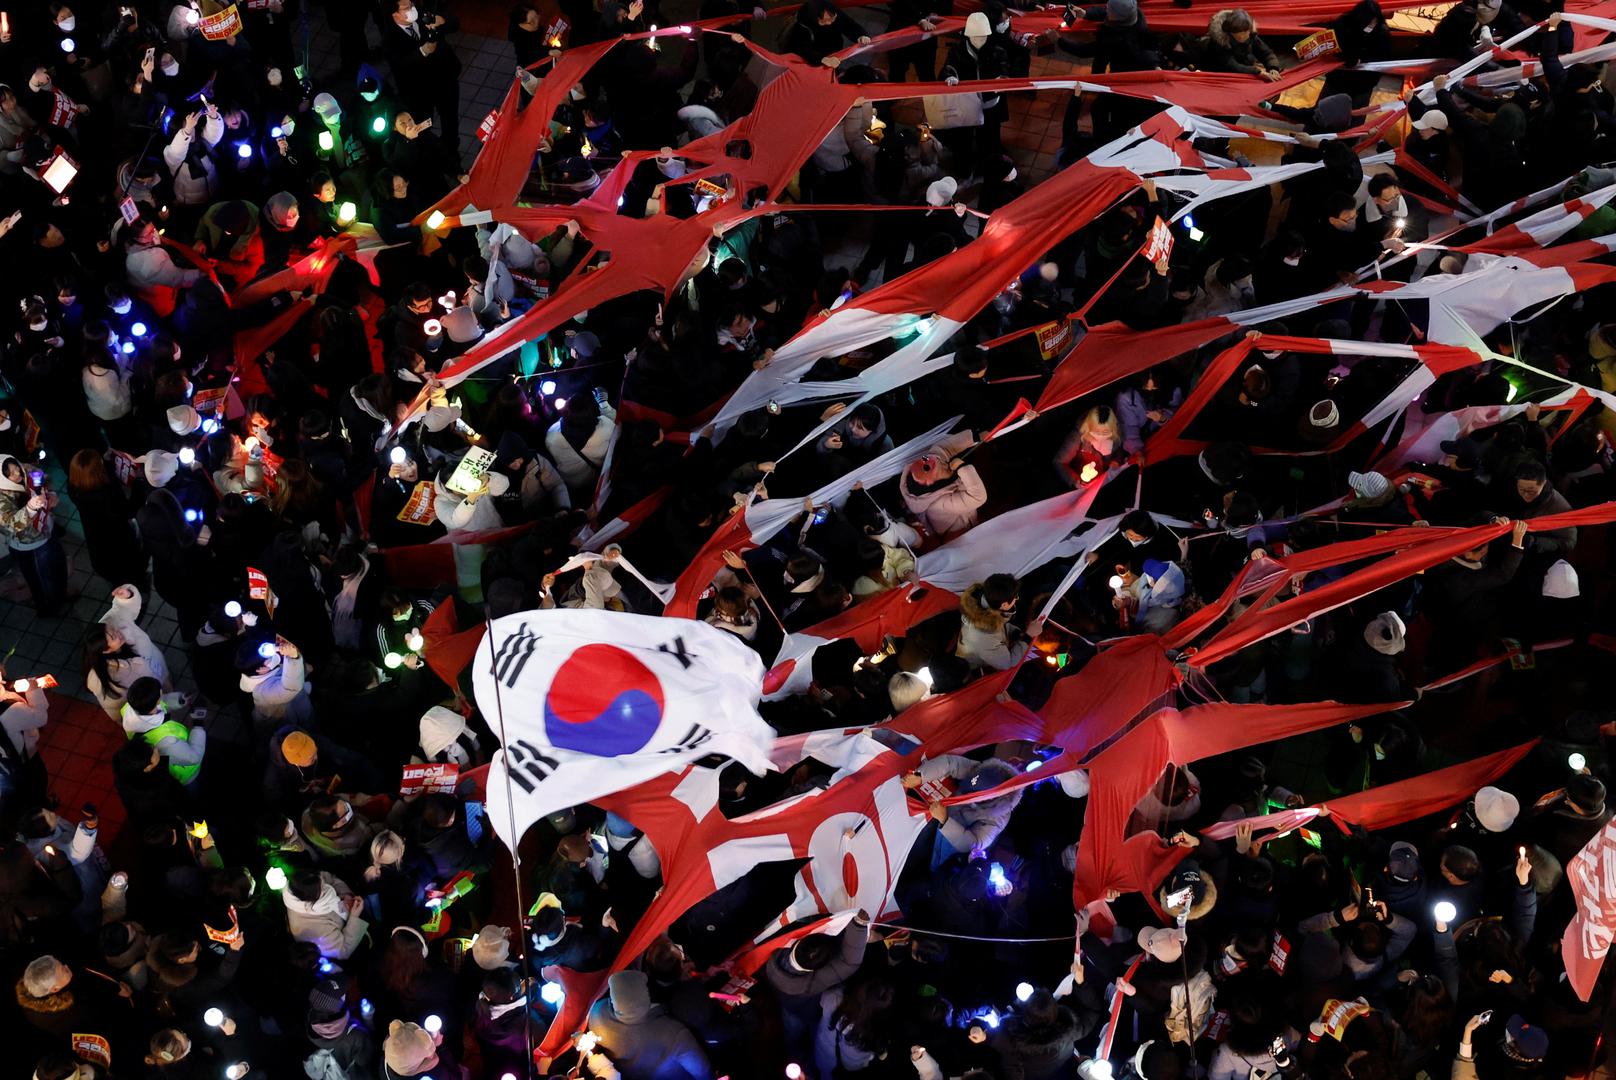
(410, 15)
(370, 95)
(273, 76)
(576, 93)
(1002, 27)
(1370, 29)
(41, 84)
(171, 69)
(36, 327)
(122, 306)
(1292, 260)
(66, 25)
(1009, 176)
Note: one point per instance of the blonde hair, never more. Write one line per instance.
(386, 849)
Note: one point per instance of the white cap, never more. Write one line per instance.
(1560, 583)
(1432, 120)
(977, 26)
(941, 192)
(183, 419)
(1496, 809)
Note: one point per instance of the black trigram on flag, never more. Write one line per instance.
(527, 765)
(513, 654)
(693, 737)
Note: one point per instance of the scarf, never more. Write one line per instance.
(344, 622)
(497, 1011)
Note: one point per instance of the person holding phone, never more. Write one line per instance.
(29, 524)
(23, 714)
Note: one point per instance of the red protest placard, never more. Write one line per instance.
(1159, 244)
(420, 779)
(222, 24)
(257, 584)
(92, 1048)
(421, 509)
(1054, 338)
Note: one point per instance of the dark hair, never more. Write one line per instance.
(1380, 182)
(97, 658)
(500, 986)
(1335, 202)
(1530, 469)
(1000, 589)
(814, 951)
(323, 811)
(306, 885)
(1138, 521)
(1462, 863)
(868, 415)
(402, 964)
(145, 694)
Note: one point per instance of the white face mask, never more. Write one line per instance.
(41, 84)
(1293, 260)
(576, 93)
(1002, 27)
(1009, 176)
(122, 306)
(171, 69)
(67, 25)
(410, 14)
(36, 327)
(1370, 29)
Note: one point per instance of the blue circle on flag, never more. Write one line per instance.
(603, 702)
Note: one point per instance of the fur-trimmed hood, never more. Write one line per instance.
(59, 1002)
(1198, 908)
(975, 611)
(1217, 30)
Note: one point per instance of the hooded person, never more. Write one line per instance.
(640, 1038)
(446, 738)
(501, 1018)
(988, 637)
(577, 443)
(342, 1046)
(322, 911)
(1368, 669)
(557, 941)
(941, 490)
(28, 524)
(1231, 44)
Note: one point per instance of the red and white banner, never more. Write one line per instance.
(1588, 936)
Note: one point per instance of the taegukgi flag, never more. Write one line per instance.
(596, 701)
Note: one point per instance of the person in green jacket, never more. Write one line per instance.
(145, 715)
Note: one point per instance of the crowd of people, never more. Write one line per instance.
(278, 902)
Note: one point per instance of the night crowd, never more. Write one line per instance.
(272, 904)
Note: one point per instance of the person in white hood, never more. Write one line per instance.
(446, 739)
(324, 912)
(124, 653)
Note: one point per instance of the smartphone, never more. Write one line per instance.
(1486, 1017)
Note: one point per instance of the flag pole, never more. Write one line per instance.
(515, 833)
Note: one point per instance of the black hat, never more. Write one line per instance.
(1466, 452)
